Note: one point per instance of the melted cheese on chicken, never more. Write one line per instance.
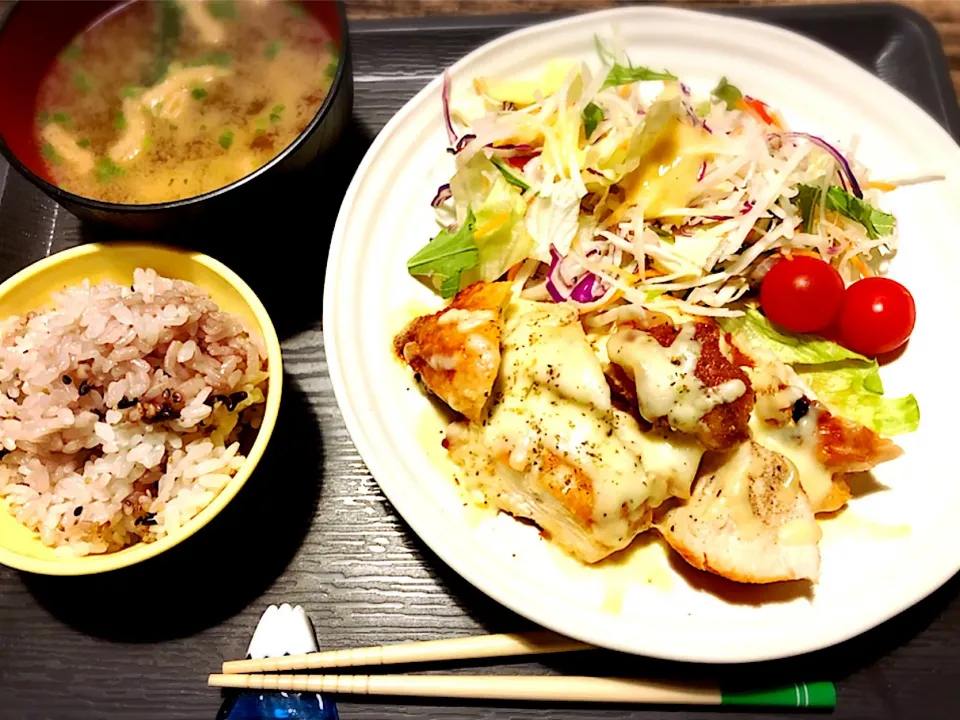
(748, 519)
(666, 384)
(778, 389)
(552, 425)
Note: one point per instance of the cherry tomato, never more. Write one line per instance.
(878, 316)
(802, 293)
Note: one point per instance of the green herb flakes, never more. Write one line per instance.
(106, 169)
(273, 49)
(222, 9)
(82, 83)
(73, 51)
(198, 93)
(220, 58)
(226, 139)
(49, 154)
(296, 9)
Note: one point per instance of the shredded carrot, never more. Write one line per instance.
(622, 272)
(756, 108)
(778, 120)
(610, 300)
(512, 272)
(861, 266)
(882, 186)
(653, 271)
(491, 225)
(790, 253)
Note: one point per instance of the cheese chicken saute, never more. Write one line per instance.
(675, 426)
(634, 276)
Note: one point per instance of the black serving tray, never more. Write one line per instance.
(311, 526)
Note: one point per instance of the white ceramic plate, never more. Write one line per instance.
(892, 548)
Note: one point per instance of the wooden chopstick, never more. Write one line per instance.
(478, 646)
(549, 688)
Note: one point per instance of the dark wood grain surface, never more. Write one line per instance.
(312, 527)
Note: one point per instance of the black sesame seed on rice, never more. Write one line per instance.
(234, 400)
(77, 510)
(125, 403)
(84, 388)
(67, 380)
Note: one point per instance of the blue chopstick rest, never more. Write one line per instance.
(283, 630)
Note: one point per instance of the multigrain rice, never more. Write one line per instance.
(123, 411)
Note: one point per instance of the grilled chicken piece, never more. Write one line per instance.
(457, 350)
(747, 519)
(823, 446)
(550, 492)
(554, 450)
(682, 378)
(845, 446)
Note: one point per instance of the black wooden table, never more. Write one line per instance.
(312, 527)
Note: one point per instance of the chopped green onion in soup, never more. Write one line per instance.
(166, 114)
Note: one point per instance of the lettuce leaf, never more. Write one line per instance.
(444, 259)
(846, 382)
(501, 237)
(851, 391)
(791, 348)
(876, 222)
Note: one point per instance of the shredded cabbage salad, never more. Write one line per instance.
(621, 192)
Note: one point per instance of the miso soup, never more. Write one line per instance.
(159, 101)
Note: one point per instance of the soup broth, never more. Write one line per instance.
(159, 101)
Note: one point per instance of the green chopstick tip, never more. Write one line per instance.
(815, 695)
